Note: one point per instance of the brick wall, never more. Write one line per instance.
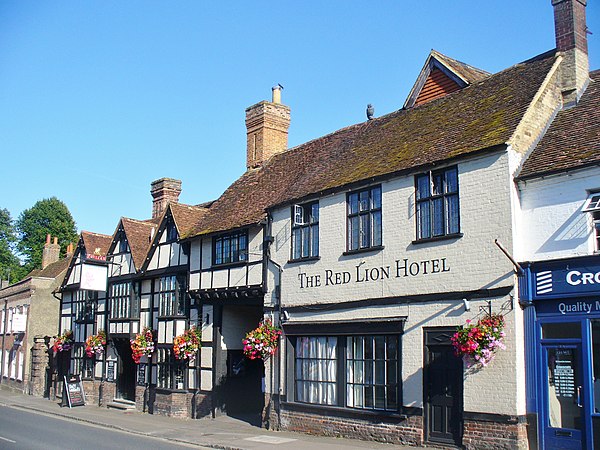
(494, 436)
(407, 432)
(109, 391)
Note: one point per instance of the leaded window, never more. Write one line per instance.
(123, 300)
(360, 372)
(305, 231)
(437, 203)
(230, 248)
(171, 372)
(85, 305)
(171, 296)
(364, 219)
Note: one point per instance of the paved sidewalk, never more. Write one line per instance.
(222, 432)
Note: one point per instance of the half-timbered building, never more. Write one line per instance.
(82, 309)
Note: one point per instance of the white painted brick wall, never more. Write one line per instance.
(551, 224)
(474, 261)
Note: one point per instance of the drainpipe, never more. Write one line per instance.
(268, 240)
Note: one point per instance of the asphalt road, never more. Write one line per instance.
(30, 430)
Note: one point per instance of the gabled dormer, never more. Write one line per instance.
(91, 250)
(165, 250)
(130, 245)
(441, 76)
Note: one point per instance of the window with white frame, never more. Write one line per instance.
(171, 296)
(592, 206)
(305, 231)
(2, 317)
(364, 219)
(171, 372)
(437, 203)
(6, 362)
(85, 305)
(230, 248)
(359, 372)
(9, 324)
(13, 363)
(20, 369)
(123, 300)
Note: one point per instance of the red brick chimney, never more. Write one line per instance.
(70, 250)
(164, 191)
(571, 42)
(267, 125)
(51, 252)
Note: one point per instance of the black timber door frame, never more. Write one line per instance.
(442, 388)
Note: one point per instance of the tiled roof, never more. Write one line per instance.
(139, 234)
(186, 216)
(481, 116)
(93, 241)
(468, 73)
(573, 139)
(52, 270)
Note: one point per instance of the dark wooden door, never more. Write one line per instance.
(443, 389)
(126, 370)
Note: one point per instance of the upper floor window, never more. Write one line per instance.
(437, 203)
(230, 248)
(171, 296)
(123, 301)
(123, 244)
(171, 232)
(364, 218)
(85, 305)
(592, 206)
(305, 231)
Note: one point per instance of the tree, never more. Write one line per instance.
(10, 267)
(48, 216)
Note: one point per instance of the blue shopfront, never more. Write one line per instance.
(561, 300)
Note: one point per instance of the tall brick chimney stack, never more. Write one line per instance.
(571, 42)
(51, 252)
(164, 191)
(267, 125)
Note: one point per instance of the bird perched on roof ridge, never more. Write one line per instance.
(370, 111)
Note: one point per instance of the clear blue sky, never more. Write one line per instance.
(99, 98)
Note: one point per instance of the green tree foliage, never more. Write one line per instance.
(48, 216)
(10, 267)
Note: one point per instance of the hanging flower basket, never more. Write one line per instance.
(142, 345)
(186, 345)
(94, 344)
(477, 343)
(63, 342)
(262, 341)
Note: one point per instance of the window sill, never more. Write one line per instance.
(172, 317)
(303, 260)
(229, 265)
(445, 237)
(338, 411)
(363, 250)
(162, 390)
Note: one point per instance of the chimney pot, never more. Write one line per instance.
(48, 237)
